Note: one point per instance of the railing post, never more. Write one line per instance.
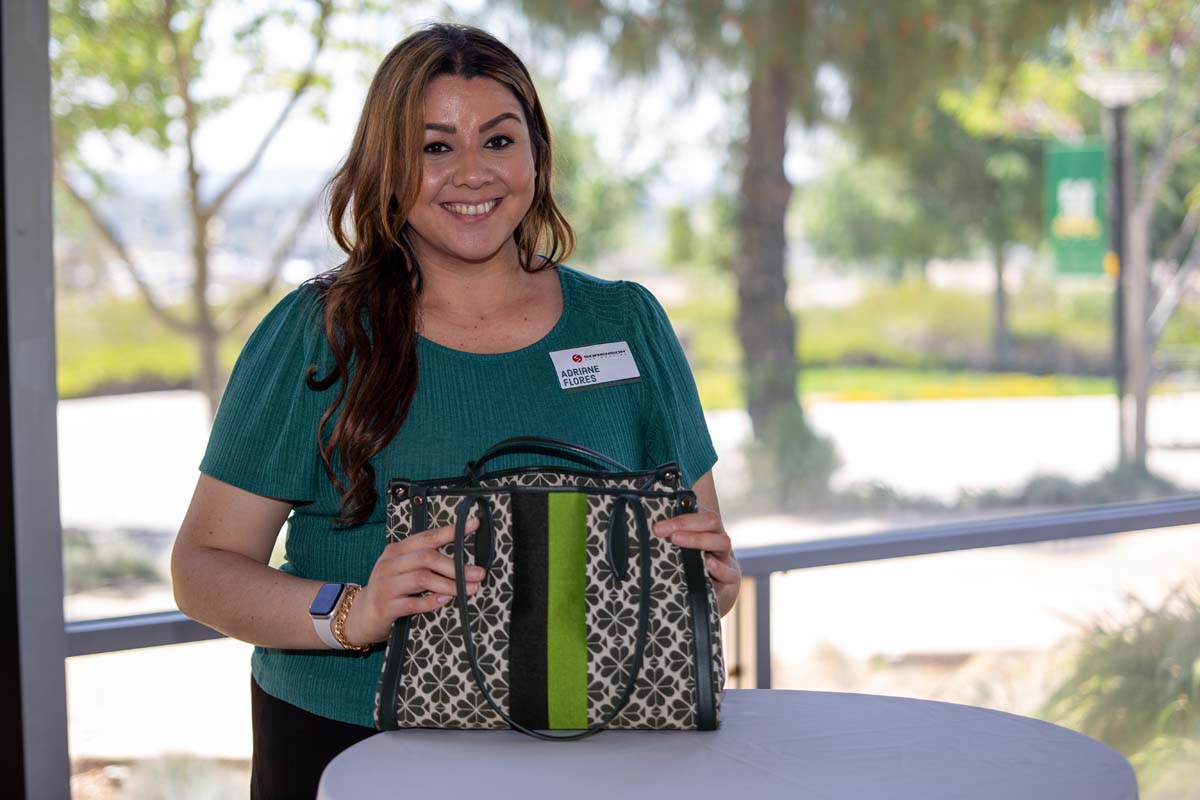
(762, 632)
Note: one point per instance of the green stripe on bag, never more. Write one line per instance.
(566, 617)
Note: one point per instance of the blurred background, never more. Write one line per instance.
(932, 263)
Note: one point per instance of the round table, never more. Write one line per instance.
(772, 743)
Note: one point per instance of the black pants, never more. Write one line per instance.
(292, 747)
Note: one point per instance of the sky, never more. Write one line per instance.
(634, 126)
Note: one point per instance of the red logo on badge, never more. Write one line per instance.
(577, 358)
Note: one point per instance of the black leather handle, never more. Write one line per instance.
(643, 623)
(541, 445)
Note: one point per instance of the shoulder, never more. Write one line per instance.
(290, 327)
(301, 309)
(622, 301)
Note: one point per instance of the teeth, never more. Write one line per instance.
(471, 211)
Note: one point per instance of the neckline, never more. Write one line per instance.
(564, 288)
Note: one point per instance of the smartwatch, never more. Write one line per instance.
(322, 611)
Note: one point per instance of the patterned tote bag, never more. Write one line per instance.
(583, 621)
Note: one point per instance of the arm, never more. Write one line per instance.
(221, 575)
(222, 578)
(704, 530)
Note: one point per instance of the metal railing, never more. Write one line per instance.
(758, 565)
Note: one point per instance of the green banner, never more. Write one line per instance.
(1076, 212)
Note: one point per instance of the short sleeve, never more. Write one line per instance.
(264, 434)
(675, 429)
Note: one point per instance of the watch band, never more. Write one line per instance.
(323, 625)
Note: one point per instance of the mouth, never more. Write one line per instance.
(476, 212)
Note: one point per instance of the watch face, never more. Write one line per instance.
(326, 599)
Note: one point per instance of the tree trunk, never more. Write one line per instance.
(765, 326)
(1138, 344)
(1001, 335)
(210, 379)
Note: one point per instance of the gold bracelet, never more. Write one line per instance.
(339, 621)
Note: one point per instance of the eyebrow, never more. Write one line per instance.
(491, 123)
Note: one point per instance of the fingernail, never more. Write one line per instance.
(475, 572)
(473, 522)
(444, 598)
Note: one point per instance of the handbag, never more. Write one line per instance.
(583, 620)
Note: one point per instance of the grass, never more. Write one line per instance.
(896, 342)
(719, 389)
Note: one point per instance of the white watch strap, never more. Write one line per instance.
(324, 629)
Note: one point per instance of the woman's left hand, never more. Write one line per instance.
(702, 529)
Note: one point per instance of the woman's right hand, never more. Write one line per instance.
(403, 571)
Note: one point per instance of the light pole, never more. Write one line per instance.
(1116, 90)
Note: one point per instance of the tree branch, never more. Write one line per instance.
(1174, 291)
(306, 78)
(112, 238)
(237, 313)
(1160, 168)
(1186, 232)
(182, 64)
(1166, 126)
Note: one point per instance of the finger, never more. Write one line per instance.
(714, 542)
(722, 571)
(419, 581)
(428, 539)
(694, 521)
(431, 560)
(407, 606)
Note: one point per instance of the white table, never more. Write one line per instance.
(772, 743)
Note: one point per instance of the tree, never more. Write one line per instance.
(947, 194)
(594, 197)
(889, 57)
(1163, 227)
(125, 69)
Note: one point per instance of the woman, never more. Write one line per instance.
(443, 316)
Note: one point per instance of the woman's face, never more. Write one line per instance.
(477, 171)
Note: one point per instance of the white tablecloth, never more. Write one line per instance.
(772, 743)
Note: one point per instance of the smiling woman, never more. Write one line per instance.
(477, 172)
(439, 335)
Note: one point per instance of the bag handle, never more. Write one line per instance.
(542, 445)
(643, 623)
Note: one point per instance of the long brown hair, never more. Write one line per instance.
(377, 286)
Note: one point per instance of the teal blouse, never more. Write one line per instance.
(264, 440)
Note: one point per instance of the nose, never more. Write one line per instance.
(471, 169)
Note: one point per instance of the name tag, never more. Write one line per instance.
(595, 365)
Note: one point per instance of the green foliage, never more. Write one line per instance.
(117, 345)
(681, 238)
(863, 212)
(1135, 683)
(173, 775)
(948, 194)
(597, 200)
(905, 341)
(115, 67)
(116, 561)
(1040, 96)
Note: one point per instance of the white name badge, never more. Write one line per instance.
(595, 365)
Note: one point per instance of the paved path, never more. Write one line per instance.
(131, 460)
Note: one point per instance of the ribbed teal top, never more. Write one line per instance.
(263, 439)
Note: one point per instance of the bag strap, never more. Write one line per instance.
(540, 445)
(643, 623)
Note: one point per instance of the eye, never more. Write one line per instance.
(501, 136)
(434, 144)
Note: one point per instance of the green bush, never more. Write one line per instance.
(1134, 684)
(118, 560)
